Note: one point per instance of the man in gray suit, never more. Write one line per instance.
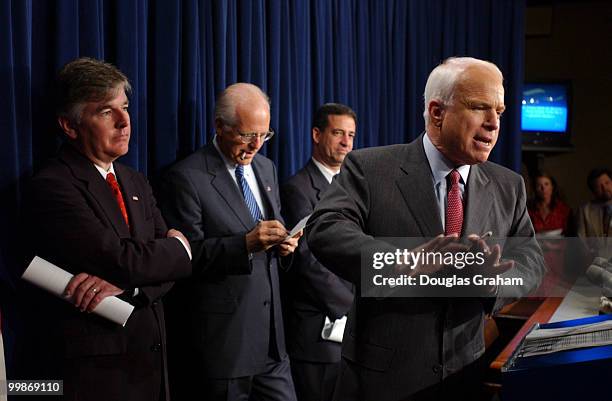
(427, 348)
(225, 324)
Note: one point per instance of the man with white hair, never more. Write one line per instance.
(225, 327)
(442, 186)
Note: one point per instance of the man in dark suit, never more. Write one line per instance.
(98, 219)
(314, 297)
(227, 329)
(427, 348)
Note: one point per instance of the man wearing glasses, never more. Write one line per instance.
(225, 325)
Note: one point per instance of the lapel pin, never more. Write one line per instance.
(134, 198)
(268, 189)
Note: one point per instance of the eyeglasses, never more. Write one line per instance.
(248, 137)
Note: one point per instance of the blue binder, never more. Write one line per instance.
(579, 374)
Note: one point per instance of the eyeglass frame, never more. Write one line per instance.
(248, 137)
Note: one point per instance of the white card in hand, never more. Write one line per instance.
(298, 227)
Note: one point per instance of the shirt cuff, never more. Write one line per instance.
(184, 246)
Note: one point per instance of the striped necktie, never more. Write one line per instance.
(249, 198)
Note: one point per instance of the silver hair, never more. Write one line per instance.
(443, 80)
(233, 96)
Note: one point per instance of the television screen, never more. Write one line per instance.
(544, 108)
(545, 112)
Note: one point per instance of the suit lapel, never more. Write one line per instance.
(318, 181)
(132, 199)
(264, 179)
(84, 170)
(415, 184)
(478, 201)
(225, 185)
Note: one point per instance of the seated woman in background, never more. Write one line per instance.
(551, 219)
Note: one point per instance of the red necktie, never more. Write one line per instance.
(114, 186)
(454, 205)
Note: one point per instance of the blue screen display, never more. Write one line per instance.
(544, 108)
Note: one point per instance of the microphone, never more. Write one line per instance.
(600, 273)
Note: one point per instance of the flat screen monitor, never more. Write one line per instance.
(545, 114)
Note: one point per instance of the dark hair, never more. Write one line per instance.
(86, 80)
(556, 195)
(320, 120)
(595, 174)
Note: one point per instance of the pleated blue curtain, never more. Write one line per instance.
(373, 55)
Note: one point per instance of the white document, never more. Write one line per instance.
(298, 227)
(546, 341)
(54, 279)
(333, 331)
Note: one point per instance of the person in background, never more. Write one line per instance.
(314, 297)
(594, 221)
(552, 219)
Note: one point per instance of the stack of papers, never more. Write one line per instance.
(546, 341)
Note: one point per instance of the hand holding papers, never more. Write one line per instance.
(54, 279)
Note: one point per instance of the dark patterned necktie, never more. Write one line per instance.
(454, 205)
(114, 186)
(249, 198)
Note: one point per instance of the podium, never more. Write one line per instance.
(578, 374)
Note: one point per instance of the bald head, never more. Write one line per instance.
(242, 122)
(237, 99)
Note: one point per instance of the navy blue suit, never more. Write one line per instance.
(226, 321)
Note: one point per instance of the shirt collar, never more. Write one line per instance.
(103, 172)
(440, 165)
(228, 163)
(327, 173)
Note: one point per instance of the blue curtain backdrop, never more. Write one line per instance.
(373, 55)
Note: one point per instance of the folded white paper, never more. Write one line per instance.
(333, 331)
(298, 227)
(49, 277)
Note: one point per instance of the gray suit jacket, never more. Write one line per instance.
(396, 347)
(226, 321)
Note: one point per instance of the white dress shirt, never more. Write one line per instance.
(327, 173)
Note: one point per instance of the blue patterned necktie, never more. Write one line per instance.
(249, 198)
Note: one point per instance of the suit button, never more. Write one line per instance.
(266, 303)
(436, 368)
(154, 304)
(156, 347)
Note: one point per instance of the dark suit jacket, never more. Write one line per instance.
(230, 309)
(396, 347)
(310, 290)
(73, 220)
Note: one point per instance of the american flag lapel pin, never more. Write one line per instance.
(134, 198)
(268, 189)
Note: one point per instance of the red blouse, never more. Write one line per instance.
(556, 219)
